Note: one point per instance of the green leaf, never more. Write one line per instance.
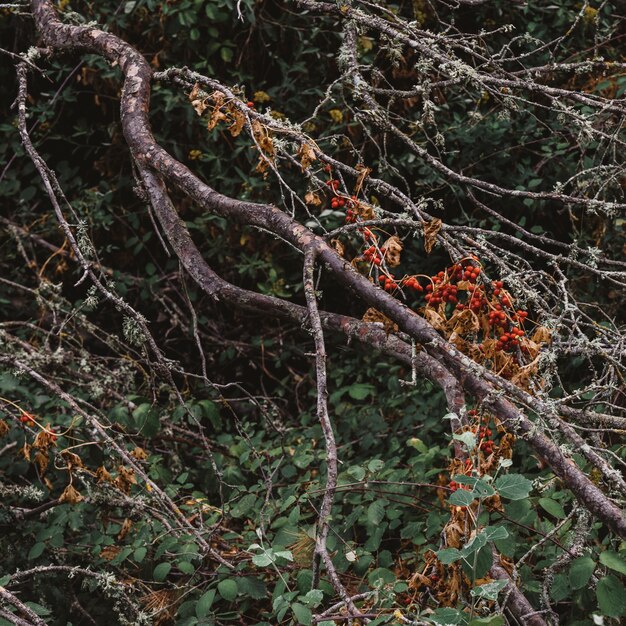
(489, 591)
(313, 597)
(302, 614)
(513, 486)
(185, 567)
(360, 391)
(445, 617)
(139, 554)
(448, 555)
(461, 498)
(376, 512)
(468, 438)
(375, 465)
(4, 580)
(493, 620)
(227, 589)
(611, 596)
(552, 507)
(204, 603)
(147, 420)
(161, 571)
(36, 550)
(613, 561)
(580, 571)
(251, 587)
(356, 472)
(262, 560)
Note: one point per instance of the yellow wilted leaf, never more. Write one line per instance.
(542, 335)
(261, 96)
(197, 102)
(338, 246)
(431, 230)
(391, 251)
(70, 495)
(239, 121)
(336, 115)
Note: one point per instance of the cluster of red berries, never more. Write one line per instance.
(509, 341)
(27, 419)
(373, 255)
(333, 184)
(438, 294)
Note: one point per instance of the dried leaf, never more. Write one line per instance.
(41, 460)
(372, 316)
(312, 199)
(338, 246)
(126, 526)
(44, 439)
(4, 428)
(72, 460)
(434, 319)
(110, 552)
(392, 249)
(364, 172)
(70, 495)
(431, 230)
(307, 155)
(125, 479)
(103, 475)
(542, 335)
(197, 102)
(239, 121)
(139, 453)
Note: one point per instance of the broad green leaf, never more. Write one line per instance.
(493, 620)
(36, 550)
(227, 589)
(139, 554)
(461, 498)
(513, 486)
(468, 438)
(302, 614)
(613, 561)
(447, 617)
(448, 555)
(161, 571)
(552, 507)
(375, 465)
(185, 567)
(251, 587)
(580, 571)
(262, 560)
(611, 596)
(356, 472)
(489, 591)
(205, 602)
(360, 391)
(313, 597)
(376, 512)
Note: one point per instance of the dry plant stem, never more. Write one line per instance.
(9, 598)
(517, 603)
(315, 323)
(134, 109)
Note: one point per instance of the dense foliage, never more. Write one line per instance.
(169, 451)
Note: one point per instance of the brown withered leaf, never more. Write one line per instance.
(263, 138)
(44, 439)
(372, 316)
(72, 460)
(431, 230)
(417, 581)
(125, 479)
(70, 495)
(364, 211)
(41, 460)
(197, 102)
(25, 451)
(110, 552)
(392, 249)
(312, 199)
(139, 453)
(434, 319)
(338, 246)
(102, 474)
(542, 335)
(463, 322)
(239, 121)
(126, 526)
(364, 172)
(307, 155)
(217, 116)
(4, 428)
